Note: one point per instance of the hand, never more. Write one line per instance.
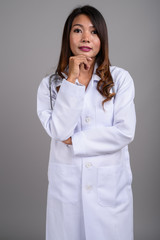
(68, 141)
(75, 62)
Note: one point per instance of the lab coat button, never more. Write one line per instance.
(88, 187)
(87, 119)
(88, 165)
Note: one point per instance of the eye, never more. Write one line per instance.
(94, 32)
(77, 30)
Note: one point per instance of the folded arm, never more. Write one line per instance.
(60, 122)
(105, 140)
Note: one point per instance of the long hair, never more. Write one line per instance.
(106, 82)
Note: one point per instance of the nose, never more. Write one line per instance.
(84, 40)
(85, 37)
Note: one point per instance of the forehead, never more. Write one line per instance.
(82, 19)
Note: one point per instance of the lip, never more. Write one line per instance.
(85, 48)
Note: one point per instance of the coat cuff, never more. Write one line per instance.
(73, 89)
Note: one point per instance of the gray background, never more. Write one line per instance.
(30, 40)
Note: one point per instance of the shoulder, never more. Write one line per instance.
(121, 77)
(52, 80)
(118, 73)
(45, 82)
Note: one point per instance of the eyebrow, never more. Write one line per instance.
(80, 25)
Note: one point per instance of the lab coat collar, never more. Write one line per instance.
(95, 77)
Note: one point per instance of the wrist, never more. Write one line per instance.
(72, 80)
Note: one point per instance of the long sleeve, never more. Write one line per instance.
(105, 140)
(60, 122)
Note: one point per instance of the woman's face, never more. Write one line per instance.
(83, 37)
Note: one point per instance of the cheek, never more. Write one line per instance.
(73, 41)
(71, 44)
(97, 44)
(70, 40)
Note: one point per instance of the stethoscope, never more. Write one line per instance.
(50, 91)
(57, 80)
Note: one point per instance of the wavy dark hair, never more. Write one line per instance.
(105, 84)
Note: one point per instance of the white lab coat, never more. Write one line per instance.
(89, 190)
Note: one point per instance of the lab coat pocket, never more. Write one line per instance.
(111, 185)
(104, 114)
(64, 182)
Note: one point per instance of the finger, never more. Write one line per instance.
(81, 59)
(89, 58)
(85, 57)
(86, 66)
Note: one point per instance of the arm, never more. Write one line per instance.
(105, 140)
(60, 122)
(68, 102)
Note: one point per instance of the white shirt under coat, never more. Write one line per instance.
(90, 179)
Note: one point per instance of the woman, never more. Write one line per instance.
(87, 108)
